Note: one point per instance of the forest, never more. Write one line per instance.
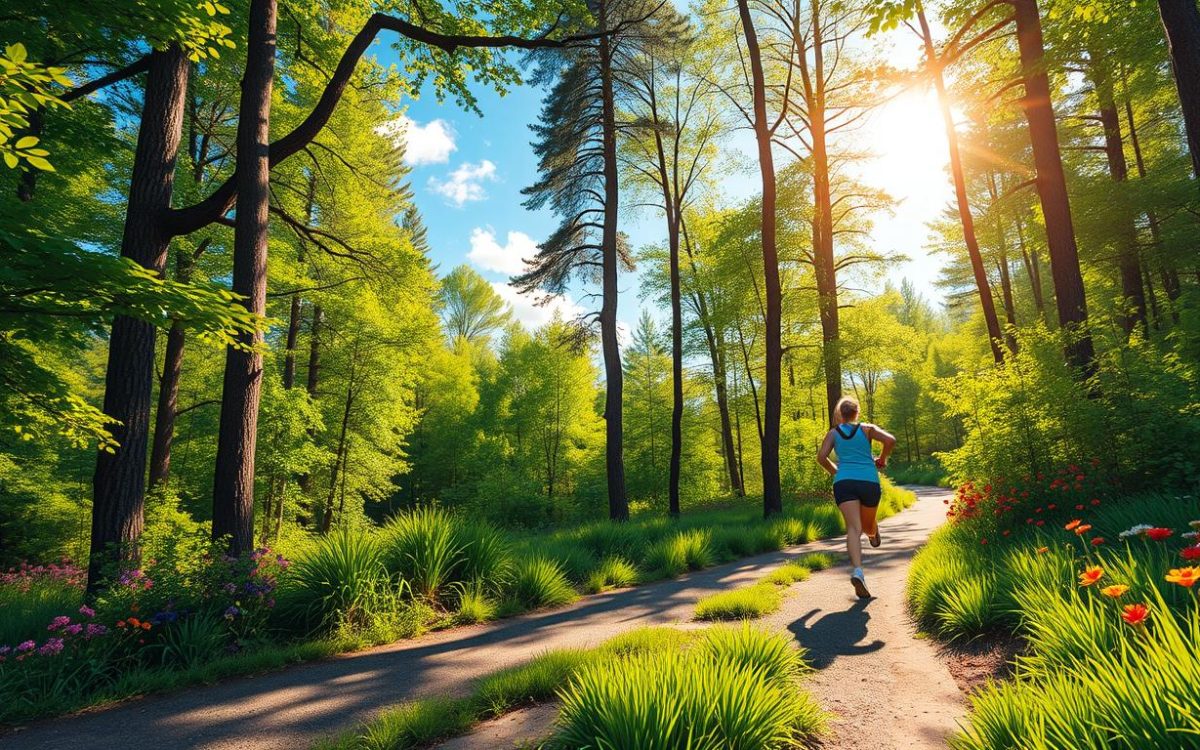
(227, 335)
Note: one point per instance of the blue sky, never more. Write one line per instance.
(468, 172)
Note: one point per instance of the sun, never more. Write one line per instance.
(906, 140)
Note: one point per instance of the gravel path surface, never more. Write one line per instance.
(887, 689)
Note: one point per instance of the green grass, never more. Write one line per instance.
(430, 568)
(793, 571)
(1087, 680)
(739, 684)
(747, 602)
(718, 694)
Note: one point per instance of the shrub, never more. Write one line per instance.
(191, 641)
(31, 595)
(538, 582)
(423, 547)
(739, 604)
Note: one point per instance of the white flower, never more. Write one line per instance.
(1190, 534)
(1135, 530)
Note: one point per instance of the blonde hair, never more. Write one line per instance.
(847, 408)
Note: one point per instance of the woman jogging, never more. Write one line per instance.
(856, 480)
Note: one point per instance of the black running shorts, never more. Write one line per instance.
(867, 493)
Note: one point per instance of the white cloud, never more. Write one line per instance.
(465, 183)
(508, 258)
(529, 313)
(431, 143)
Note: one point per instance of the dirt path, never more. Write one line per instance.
(903, 694)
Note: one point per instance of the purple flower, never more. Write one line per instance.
(95, 630)
(5, 650)
(51, 647)
(74, 629)
(230, 588)
(87, 611)
(231, 613)
(26, 646)
(58, 622)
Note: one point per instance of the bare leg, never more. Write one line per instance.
(867, 515)
(851, 512)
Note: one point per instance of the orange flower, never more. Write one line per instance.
(1073, 524)
(1184, 576)
(1042, 550)
(145, 626)
(1135, 614)
(1091, 575)
(1116, 591)
(134, 622)
(1081, 530)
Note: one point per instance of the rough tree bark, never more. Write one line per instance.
(1052, 188)
(233, 480)
(773, 396)
(614, 454)
(1181, 22)
(118, 485)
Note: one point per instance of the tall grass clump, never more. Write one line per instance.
(535, 681)
(680, 552)
(342, 580)
(695, 699)
(539, 582)
(485, 554)
(793, 571)
(739, 604)
(423, 547)
(613, 572)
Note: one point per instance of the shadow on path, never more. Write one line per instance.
(835, 634)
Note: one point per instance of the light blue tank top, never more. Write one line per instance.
(854, 457)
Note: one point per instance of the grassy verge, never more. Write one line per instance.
(763, 597)
(427, 569)
(641, 689)
(1112, 632)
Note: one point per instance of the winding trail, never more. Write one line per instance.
(886, 688)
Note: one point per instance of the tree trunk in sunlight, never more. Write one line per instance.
(772, 491)
(233, 480)
(1069, 294)
(982, 286)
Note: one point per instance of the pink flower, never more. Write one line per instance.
(87, 611)
(58, 622)
(25, 646)
(51, 647)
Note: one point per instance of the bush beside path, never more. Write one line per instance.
(870, 666)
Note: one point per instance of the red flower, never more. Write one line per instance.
(1095, 501)
(1079, 507)
(1159, 534)
(983, 541)
(1135, 614)
(1041, 523)
(1098, 541)
(1051, 506)
(1190, 553)
(1078, 477)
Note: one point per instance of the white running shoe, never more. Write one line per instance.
(859, 581)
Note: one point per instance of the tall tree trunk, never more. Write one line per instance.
(773, 345)
(233, 481)
(1069, 294)
(118, 484)
(293, 333)
(614, 459)
(716, 352)
(168, 383)
(960, 193)
(1133, 306)
(1029, 258)
(1169, 276)
(1181, 22)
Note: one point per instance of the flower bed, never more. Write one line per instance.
(1098, 585)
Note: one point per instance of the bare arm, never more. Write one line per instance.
(887, 439)
(823, 454)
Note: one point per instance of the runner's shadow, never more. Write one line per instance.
(835, 634)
